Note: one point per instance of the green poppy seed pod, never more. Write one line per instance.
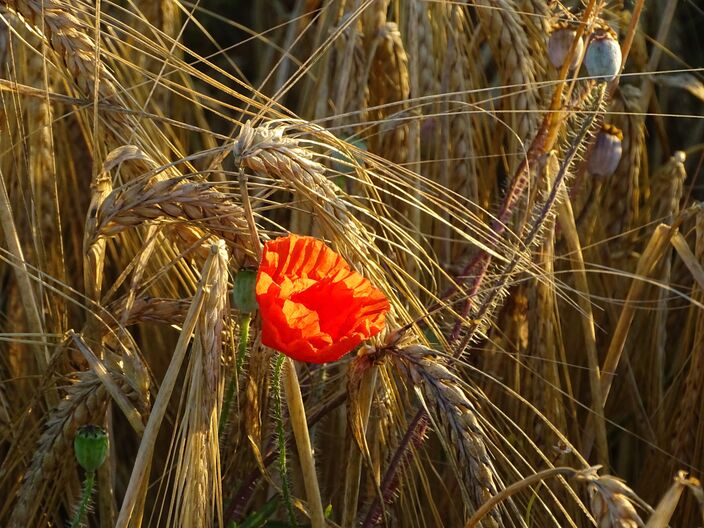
(90, 445)
(603, 57)
(559, 43)
(244, 293)
(606, 152)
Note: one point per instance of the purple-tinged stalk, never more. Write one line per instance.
(389, 485)
(236, 509)
(458, 342)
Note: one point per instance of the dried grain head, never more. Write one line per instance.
(76, 51)
(195, 203)
(611, 500)
(272, 151)
(464, 437)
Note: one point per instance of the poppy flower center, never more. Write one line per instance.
(333, 303)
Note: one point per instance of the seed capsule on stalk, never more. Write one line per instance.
(603, 57)
(606, 152)
(559, 43)
(90, 446)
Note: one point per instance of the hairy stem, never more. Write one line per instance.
(85, 499)
(281, 440)
(243, 339)
(390, 480)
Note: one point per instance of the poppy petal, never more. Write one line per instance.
(313, 306)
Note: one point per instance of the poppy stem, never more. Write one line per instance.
(297, 414)
(243, 339)
(281, 440)
(85, 499)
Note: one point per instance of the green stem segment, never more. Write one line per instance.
(85, 499)
(245, 320)
(281, 439)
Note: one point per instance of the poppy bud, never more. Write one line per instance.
(559, 44)
(243, 294)
(90, 445)
(606, 152)
(603, 57)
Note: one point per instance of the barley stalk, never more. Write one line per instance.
(299, 425)
(197, 478)
(506, 33)
(150, 309)
(269, 152)
(689, 410)
(136, 488)
(175, 199)
(612, 501)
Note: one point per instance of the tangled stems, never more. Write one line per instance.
(245, 321)
(281, 439)
(515, 488)
(479, 267)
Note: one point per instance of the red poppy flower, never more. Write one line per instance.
(313, 307)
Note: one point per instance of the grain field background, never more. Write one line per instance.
(521, 179)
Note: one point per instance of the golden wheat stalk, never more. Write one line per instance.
(137, 488)
(173, 199)
(197, 478)
(270, 152)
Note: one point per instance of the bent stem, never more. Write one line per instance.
(515, 488)
(245, 321)
(297, 414)
(85, 499)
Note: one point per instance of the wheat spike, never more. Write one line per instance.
(347, 78)
(506, 33)
(389, 83)
(66, 34)
(687, 418)
(174, 198)
(269, 152)
(624, 191)
(150, 309)
(450, 407)
(197, 472)
(463, 172)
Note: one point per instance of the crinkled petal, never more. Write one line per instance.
(313, 307)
